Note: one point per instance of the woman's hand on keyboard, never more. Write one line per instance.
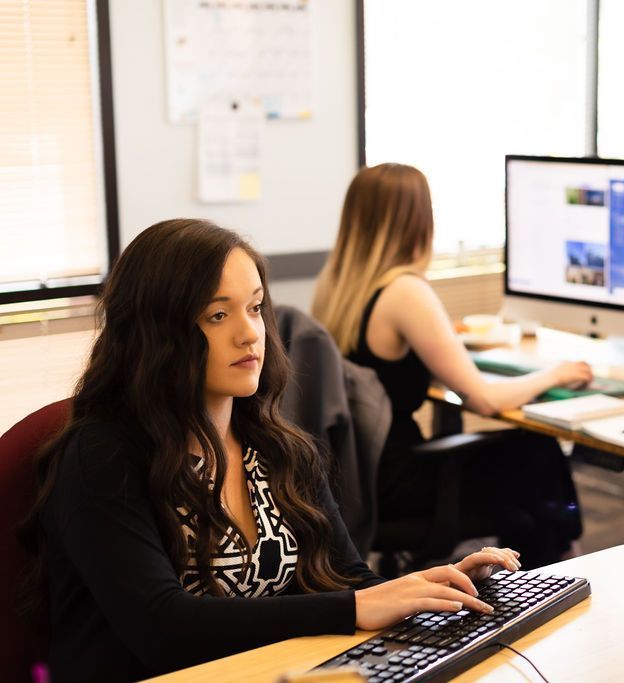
(479, 566)
(439, 589)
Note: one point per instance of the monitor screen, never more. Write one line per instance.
(565, 230)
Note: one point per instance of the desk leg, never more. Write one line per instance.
(447, 419)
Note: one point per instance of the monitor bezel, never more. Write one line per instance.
(595, 161)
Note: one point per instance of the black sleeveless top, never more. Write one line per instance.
(405, 380)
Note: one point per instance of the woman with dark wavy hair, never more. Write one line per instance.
(180, 517)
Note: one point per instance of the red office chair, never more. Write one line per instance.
(20, 646)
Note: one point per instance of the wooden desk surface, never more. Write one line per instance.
(582, 644)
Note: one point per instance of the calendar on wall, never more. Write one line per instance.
(237, 50)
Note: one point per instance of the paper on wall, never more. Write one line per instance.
(238, 49)
(229, 150)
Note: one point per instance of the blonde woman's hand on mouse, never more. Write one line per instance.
(573, 374)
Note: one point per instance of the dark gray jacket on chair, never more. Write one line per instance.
(346, 408)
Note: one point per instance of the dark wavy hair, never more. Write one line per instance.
(149, 365)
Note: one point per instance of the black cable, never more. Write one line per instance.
(513, 649)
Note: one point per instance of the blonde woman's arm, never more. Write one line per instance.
(413, 311)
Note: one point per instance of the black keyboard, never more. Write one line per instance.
(437, 646)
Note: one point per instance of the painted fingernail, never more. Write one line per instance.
(457, 606)
(475, 592)
(485, 607)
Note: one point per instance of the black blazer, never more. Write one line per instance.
(118, 610)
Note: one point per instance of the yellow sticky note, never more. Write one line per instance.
(249, 185)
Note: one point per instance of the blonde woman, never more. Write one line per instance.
(374, 299)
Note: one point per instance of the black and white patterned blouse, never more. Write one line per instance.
(274, 555)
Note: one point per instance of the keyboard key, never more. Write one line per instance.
(356, 653)
(449, 639)
(418, 656)
(419, 638)
(432, 640)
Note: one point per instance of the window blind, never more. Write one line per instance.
(51, 198)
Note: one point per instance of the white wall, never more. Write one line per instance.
(307, 166)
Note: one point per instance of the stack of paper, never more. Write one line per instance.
(575, 413)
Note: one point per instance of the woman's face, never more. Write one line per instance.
(234, 328)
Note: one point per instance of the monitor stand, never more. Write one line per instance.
(592, 321)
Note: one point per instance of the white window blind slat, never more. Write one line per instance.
(50, 196)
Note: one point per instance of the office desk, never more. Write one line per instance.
(582, 644)
(550, 346)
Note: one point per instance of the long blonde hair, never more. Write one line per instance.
(386, 229)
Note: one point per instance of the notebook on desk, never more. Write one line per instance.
(610, 429)
(575, 413)
(515, 363)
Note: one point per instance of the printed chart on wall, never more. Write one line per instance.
(240, 49)
(229, 150)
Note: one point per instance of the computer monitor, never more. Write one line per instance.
(564, 245)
